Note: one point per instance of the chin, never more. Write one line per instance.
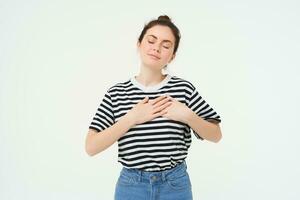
(150, 62)
(153, 65)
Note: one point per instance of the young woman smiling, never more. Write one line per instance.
(151, 116)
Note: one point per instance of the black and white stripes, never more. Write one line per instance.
(158, 144)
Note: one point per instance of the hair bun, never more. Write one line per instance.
(164, 17)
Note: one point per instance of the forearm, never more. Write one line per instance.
(203, 128)
(97, 142)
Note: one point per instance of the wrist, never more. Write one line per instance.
(128, 120)
(189, 116)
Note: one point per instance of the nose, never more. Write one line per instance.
(156, 48)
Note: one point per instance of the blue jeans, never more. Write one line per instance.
(172, 184)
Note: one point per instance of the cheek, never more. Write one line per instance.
(167, 54)
(143, 51)
(147, 48)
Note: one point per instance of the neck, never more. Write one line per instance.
(149, 76)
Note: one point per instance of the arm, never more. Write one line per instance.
(97, 142)
(180, 112)
(209, 130)
(142, 112)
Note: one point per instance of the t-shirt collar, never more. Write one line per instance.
(151, 88)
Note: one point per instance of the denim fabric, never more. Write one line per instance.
(172, 184)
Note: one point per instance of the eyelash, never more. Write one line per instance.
(163, 46)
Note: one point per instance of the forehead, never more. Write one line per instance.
(161, 32)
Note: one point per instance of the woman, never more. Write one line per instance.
(151, 115)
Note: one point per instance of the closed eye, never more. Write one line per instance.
(163, 46)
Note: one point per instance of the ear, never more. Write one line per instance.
(172, 58)
(138, 44)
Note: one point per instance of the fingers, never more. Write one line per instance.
(162, 112)
(162, 107)
(163, 101)
(145, 100)
(154, 101)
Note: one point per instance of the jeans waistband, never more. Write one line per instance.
(163, 175)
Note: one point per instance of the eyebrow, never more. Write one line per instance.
(163, 40)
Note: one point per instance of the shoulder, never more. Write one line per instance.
(121, 85)
(183, 81)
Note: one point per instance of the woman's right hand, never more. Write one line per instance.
(146, 110)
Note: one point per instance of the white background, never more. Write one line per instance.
(57, 58)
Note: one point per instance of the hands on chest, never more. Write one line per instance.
(165, 106)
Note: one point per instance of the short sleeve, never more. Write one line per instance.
(104, 116)
(202, 108)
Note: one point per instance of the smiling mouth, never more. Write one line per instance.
(155, 57)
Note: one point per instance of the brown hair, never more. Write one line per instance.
(163, 20)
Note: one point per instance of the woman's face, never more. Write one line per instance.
(157, 46)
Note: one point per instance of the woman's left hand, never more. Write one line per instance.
(177, 111)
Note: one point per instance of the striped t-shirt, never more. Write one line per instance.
(158, 144)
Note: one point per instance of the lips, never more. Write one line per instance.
(154, 56)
